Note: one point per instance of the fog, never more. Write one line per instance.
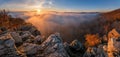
(66, 23)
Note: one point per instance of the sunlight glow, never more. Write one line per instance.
(38, 11)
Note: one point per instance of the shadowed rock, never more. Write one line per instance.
(7, 47)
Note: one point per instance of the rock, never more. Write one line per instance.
(77, 49)
(31, 29)
(29, 48)
(25, 28)
(69, 51)
(16, 37)
(113, 48)
(100, 52)
(8, 48)
(25, 34)
(34, 31)
(76, 45)
(90, 52)
(95, 52)
(113, 34)
(27, 37)
(105, 48)
(53, 47)
(38, 39)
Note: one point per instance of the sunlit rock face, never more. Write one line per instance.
(113, 44)
(113, 34)
(53, 46)
(7, 47)
(113, 47)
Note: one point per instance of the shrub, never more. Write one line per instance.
(92, 40)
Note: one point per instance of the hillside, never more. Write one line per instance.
(112, 15)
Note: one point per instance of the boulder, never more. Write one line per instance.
(77, 49)
(34, 31)
(113, 48)
(76, 45)
(16, 37)
(38, 39)
(95, 52)
(27, 37)
(100, 52)
(31, 29)
(8, 48)
(90, 52)
(113, 34)
(69, 51)
(29, 48)
(53, 46)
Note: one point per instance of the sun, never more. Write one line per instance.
(38, 11)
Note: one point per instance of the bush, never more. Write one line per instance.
(92, 40)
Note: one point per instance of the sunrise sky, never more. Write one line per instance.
(60, 5)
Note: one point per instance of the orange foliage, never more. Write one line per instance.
(92, 40)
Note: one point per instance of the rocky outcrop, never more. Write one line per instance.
(95, 52)
(76, 45)
(7, 47)
(76, 49)
(31, 29)
(53, 47)
(30, 49)
(113, 47)
(16, 37)
(113, 34)
(38, 39)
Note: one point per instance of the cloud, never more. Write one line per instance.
(68, 24)
(26, 4)
(64, 23)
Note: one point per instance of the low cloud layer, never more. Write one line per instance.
(64, 23)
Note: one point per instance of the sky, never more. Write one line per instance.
(60, 5)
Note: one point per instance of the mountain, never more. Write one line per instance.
(112, 15)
